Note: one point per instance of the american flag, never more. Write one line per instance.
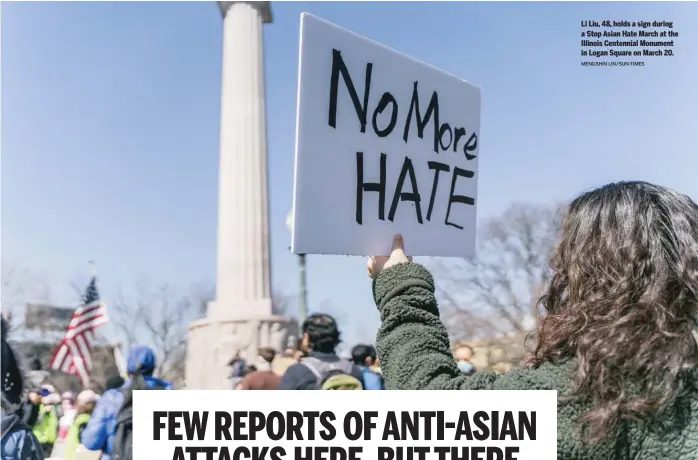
(74, 354)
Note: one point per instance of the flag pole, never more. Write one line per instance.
(116, 349)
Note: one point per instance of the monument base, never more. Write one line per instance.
(213, 341)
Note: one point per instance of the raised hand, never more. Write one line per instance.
(378, 263)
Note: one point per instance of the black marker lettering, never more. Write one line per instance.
(458, 172)
(339, 67)
(432, 109)
(407, 169)
(362, 187)
(459, 132)
(445, 128)
(437, 167)
(470, 146)
(385, 100)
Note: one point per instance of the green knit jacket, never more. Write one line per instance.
(414, 350)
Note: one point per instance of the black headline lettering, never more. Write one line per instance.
(356, 426)
(429, 425)
(446, 138)
(402, 453)
(243, 425)
(477, 453)
(327, 453)
(497, 426)
(224, 453)
(405, 425)
(194, 425)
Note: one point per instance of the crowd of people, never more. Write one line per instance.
(618, 341)
(38, 422)
(313, 364)
(48, 424)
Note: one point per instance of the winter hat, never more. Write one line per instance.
(87, 396)
(51, 400)
(12, 379)
(141, 359)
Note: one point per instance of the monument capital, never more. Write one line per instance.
(264, 9)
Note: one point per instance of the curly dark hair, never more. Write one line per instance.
(623, 301)
(323, 334)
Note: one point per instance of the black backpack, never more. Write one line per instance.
(122, 445)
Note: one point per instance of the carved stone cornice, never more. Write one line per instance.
(264, 9)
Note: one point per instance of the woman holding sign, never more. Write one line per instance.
(618, 341)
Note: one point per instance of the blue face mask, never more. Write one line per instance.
(465, 367)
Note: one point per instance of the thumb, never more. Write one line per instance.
(398, 246)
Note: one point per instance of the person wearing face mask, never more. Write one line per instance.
(464, 354)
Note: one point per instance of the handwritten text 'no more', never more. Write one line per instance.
(447, 139)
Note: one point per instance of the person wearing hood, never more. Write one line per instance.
(18, 441)
(100, 430)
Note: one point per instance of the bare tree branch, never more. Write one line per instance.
(498, 291)
(158, 316)
(19, 286)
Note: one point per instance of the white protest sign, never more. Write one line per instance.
(385, 144)
(345, 425)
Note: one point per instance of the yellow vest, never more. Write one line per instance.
(72, 440)
(46, 429)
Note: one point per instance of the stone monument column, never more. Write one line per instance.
(243, 221)
(241, 319)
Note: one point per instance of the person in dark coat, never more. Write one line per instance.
(618, 341)
(18, 441)
(320, 337)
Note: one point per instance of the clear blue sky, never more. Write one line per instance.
(110, 126)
